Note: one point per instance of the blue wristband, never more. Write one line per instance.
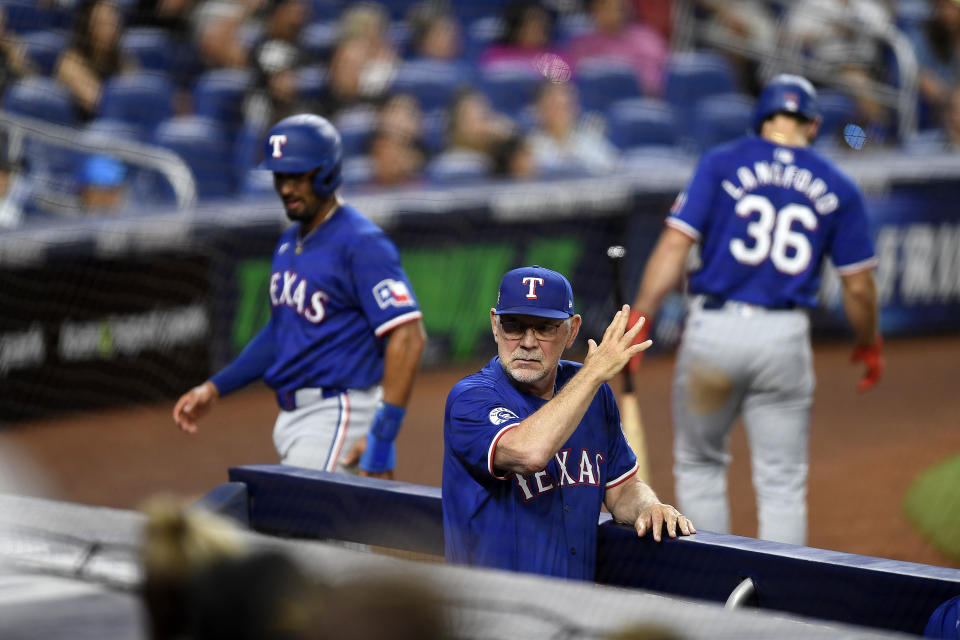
(386, 423)
(379, 456)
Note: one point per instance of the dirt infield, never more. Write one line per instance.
(865, 450)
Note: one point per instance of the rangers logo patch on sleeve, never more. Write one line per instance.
(501, 414)
(392, 293)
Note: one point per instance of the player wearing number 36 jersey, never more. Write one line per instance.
(766, 212)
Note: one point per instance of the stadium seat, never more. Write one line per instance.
(458, 167)
(318, 39)
(480, 34)
(23, 17)
(355, 127)
(202, 143)
(721, 118)
(692, 76)
(435, 130)
(357, 170)
(837, 109)
(510, 89)
(311, 81)
(142, 99)
(431, 82)
(640, 122)
(43, 48)
(153, 49)
(105, 130)
(40, 98)
(602, 82)
(219, 94)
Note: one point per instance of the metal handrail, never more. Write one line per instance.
(164, 161)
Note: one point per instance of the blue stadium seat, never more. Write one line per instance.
(510, 89)
(721, 118)
(23, 17)
(43, 48)
(435, 130)
(41, 98)
(640, 122)
(458, 167)
(142, 99)
(202, 143)
(105, 130)
(311, 81)
(837, 109)
(357, 170)
(692, 76)
(479, 34)
(319, 39)
(602, 82)
(355, 127)
(431, 82)
(153, 49)
(219, 94)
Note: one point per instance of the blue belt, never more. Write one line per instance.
(290, 400)
(712, 303)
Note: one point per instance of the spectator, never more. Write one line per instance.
(401, 114)
(395, 159)
(841, 36)
(366, 23)
(217, 28)
(92, 56)
(178, 544)
(742, 21)
(377, 607)
(656, 14)
(275, 93)
(615, 37)
(284, 20)
(14, 63)
(526, 39)
(102, 185)
(346, 91)
(473, 125)
(937, 45)
(565, 143)
(434, 32)
(513, 159)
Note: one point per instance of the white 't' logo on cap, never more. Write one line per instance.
(532, 283)
(278, 141)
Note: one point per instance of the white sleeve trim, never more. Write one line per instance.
(683, 228)
(493, 449)
(620, 480)
(393, 323)
(863, 265)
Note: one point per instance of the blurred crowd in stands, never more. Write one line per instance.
(436, 92)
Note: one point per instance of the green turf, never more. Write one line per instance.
(933, 505)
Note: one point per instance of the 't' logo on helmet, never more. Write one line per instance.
(278, 141)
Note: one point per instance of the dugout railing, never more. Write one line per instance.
(816, 583)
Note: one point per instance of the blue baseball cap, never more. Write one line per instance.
(535, 291)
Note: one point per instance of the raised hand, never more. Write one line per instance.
(616, 347)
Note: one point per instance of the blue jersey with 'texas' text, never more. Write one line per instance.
(766, 217)
(332, 300)
(544, 522)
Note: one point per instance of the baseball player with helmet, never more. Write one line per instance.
(533, 445)
(345, 334)
(766, 211)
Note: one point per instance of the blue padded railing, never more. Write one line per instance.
(829, 585)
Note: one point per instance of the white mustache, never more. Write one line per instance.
(526, 355)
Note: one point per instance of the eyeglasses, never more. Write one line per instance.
(513, 329)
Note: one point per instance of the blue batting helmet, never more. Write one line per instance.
(786, 94)
(302, 143)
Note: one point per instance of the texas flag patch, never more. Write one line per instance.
(392, 293)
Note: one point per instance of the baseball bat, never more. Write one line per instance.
(630, 417)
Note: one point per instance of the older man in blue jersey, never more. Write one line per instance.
(766, 213)
(533, 446)
(345, 334)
